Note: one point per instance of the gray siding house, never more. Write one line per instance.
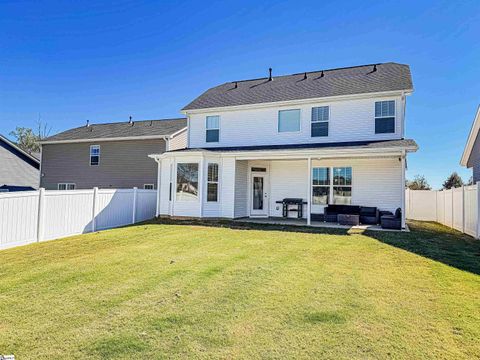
(19, 170)
(471, 153)
(113, 155)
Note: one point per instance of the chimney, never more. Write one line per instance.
(270, 76)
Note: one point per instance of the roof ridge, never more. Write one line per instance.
(315, 71)
(135, 121)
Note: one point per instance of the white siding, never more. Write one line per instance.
(352, 120)
(179, 141)
(241, 188)
(164, 191)
(287, 179)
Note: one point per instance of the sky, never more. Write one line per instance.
(68, 61)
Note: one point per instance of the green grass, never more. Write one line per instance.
(188, 290)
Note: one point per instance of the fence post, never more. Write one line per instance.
(463, 209)
(94, 208)
(134, 210)
(41, 214)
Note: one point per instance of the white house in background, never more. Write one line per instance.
(471, 153)
(328, 137)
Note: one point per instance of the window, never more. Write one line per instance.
(94, 155)
(320, 117)
(187, 182)
(342, 185)
(148, 187)
(213, 128)
(66, 186)
(289, 120)
(384, 117)
(321, 186)
(212, 183)
(332, 185)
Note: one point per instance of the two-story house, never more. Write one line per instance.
(108, 155)
(328, 137)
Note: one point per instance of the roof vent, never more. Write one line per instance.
(270, 76)
(151, 122)
(88, 123)
(305, 76)
(374, 68)
(130, 121)
(236, 85)
(322, 74)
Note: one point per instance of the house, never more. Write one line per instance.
(112, 155)
(334, 136)
(471, 153)
(19, 170)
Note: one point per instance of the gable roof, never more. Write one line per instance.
(19, 152)
(472, 136)
(324, 83)
(146, 129)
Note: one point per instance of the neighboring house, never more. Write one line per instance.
(113, 155)
(19, 170)
(471, 153)
(328, 137)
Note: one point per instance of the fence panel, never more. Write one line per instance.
(18, 218)
(455, 208)
(146, 204)
(471, 210)
(31, 216)
(68, 213)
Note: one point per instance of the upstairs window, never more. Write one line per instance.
(289, 120)
(384, 117)
(213, 128)
(94, 155)
(320, 117)
(212, 183)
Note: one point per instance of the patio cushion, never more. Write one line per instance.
(342, 209)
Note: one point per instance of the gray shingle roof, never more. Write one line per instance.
(372, 144)
(334, 82)
(121, 130)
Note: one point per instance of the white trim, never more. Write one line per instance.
(294, 153)
(178, 132)
(298, 102)
(309, 192)
(375, 117)
(266, 188)
(472, 136)
(213, 182)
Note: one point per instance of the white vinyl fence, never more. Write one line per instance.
(33, 216)
(456, 208)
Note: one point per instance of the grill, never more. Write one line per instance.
(292, 204)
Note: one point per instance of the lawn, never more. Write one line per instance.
(186, 290)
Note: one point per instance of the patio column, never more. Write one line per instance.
(403, 190)
(309, 191)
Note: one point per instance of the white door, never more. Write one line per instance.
(259, 195)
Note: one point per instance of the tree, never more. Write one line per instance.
(27, 140)
(418, 183)
(453, 181)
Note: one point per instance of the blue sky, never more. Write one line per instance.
(72, 61)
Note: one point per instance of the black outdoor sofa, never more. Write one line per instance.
(369, 215)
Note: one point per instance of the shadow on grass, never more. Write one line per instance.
(240, 225)
(436, 242)
(427, 239)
